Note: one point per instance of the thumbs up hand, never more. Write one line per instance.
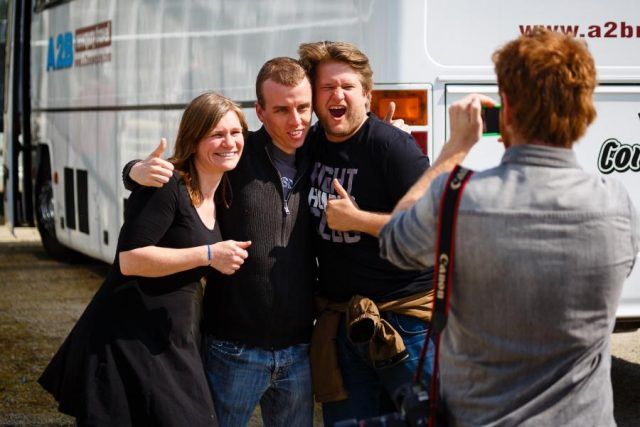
(157, 152)
(341, 212)
(153, 171)
(390, 112)
(399, 123)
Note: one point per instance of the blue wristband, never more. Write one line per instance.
(209, 254)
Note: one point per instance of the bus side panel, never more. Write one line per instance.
(107, 183)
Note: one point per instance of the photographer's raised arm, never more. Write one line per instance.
(408, 240)
(150, 172)
(466, 130)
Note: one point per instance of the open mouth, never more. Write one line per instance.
(337, 112)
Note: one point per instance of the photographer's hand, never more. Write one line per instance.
(466, 122)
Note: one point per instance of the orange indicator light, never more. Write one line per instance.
(411, 105)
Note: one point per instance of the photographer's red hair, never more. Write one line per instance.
(549, 79)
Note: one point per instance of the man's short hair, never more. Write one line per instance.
(282, 70)
(312, 54)
(549, 79)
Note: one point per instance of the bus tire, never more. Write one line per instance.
(45, 212)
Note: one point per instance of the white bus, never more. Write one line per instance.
(108, 78)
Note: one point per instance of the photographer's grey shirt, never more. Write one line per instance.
(542, 251)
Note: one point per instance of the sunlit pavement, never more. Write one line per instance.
(41, 298)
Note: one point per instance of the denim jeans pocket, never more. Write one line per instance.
(226, 347)
(407, 325)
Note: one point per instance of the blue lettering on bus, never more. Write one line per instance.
(60, 52)
(51, 56)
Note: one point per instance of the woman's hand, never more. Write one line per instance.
(228, 256)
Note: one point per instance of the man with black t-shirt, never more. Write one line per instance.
(362, 167)
(258, 321)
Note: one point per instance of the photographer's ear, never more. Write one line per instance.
(505, 113)
(505, 121)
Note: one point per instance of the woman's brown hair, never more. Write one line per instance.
(198, 120)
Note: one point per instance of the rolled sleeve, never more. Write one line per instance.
(408, 239)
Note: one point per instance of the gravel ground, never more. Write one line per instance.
(40, 299)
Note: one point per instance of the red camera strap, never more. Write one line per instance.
(443, 271)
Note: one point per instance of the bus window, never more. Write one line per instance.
(46, 4)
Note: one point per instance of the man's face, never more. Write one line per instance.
(340, 101)
(286, 114)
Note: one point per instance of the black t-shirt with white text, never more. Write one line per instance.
(376, 166)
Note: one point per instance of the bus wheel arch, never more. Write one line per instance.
(44, 208)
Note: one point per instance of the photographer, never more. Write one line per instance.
(542, 250)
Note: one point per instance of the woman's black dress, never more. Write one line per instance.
(133, 358)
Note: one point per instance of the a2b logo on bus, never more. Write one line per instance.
(60, 53)
(618, 157)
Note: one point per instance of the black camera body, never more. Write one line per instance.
(490, 120)
(413, 401)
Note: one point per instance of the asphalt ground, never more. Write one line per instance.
(41, 299)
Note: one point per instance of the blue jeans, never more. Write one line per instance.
(240, 377)
(371, 390)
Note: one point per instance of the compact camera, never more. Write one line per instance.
(413, 401)
(490, 120)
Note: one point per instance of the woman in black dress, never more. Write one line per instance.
(133, 358)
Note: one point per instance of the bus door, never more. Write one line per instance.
(18, 202)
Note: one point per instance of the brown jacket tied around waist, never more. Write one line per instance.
(364, 325)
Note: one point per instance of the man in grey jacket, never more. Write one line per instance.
(542, 250)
